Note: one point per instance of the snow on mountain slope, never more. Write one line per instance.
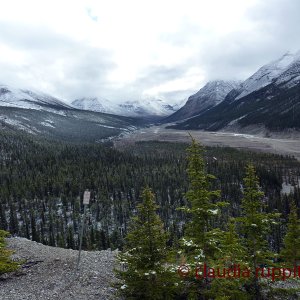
(215, 90)
(291, 76)
(280, 71)
(13, 97)
(207, 97)
(92, 104)
(138, 108)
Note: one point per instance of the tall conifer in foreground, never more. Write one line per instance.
(202, 209)
(201, 241)
(291, 250)
(232, 254)
(255, 226)
(145, 274)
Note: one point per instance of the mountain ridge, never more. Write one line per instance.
(270, 98)
(131, 108)
(210, 95)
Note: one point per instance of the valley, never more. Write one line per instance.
(278, 145)
(150, 150)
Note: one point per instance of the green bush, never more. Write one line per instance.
(6, 264)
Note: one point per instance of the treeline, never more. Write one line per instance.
(42, 184)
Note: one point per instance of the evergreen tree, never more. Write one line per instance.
(3, 222)
(70, 238)
(145, 274)
(202, 208)
(255, 226)
(291, 250)
(231, 255)
(201, 240)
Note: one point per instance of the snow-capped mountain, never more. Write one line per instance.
(283, 70)
(92, 104)
(207, 97)
(267, 101)
(138, 108)
(28, 99)
(43, 115)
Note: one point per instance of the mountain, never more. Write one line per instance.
(207, 97)
(22, 98)
(278, 71)
(138, 108)
(42, 115)
(269, 99)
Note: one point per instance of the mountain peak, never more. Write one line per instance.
(268, 73)
(29, 99)
(134, 108)
(210, 95)
(216, 89)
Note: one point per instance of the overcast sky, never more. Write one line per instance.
(131, 49)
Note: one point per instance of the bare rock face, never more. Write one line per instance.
(50, 273)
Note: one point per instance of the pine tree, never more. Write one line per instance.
(145, 274)
(291, 250)
(255, 226)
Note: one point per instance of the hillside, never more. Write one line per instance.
(49, 273)
(68, 125)
(213, 93)
(42, 115)
(29, 99)
(271, 107)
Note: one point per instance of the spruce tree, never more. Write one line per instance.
(201, 241)
(145, 273)
(202, 208)
(291, 250)
(231, 255)
(255, 226)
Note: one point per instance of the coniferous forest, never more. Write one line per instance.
(42, 184)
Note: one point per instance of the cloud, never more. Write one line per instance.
(132, 49)
(42, 59)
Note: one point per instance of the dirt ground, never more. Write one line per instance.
(285, 146)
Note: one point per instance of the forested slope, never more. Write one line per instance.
(42, 183)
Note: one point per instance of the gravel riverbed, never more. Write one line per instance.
(50, 273)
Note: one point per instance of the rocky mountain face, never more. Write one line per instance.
(210, 95)
(270, 98)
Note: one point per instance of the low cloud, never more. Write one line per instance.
(135, 52)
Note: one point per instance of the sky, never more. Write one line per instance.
(136, 49)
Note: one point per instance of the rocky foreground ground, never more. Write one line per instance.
(50, 273)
